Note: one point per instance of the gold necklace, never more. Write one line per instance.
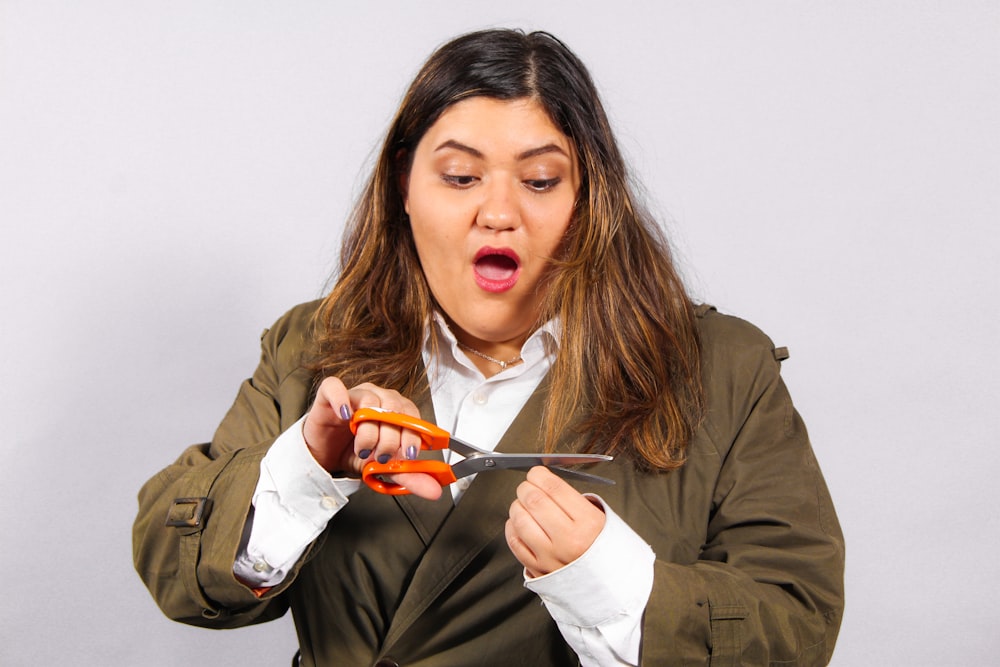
(502, 364)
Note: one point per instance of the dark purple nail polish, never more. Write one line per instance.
(345, 412)
(411, 452)
(384, 458)
(364, 454)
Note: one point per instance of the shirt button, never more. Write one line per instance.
(261, 566)
(479, 398)
(329, 503)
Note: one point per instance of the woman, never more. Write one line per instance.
(499, 278)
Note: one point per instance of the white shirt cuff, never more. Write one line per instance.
(294, 500)
(598, 600)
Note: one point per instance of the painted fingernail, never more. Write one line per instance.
(384, 458)
(411, 452)
(345, 412)
(364, 454)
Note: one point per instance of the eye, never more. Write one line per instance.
(458, 181)
(542, 184)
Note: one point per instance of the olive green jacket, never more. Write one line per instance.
(749, 553)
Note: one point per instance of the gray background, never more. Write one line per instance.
(174, 175)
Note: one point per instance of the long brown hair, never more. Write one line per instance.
(627, 376)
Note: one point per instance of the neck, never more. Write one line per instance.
(489, 356)
(501, 349)
(487, 363)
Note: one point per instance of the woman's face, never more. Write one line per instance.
(490, 193)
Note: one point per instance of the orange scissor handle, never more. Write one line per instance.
(372, 474)
(431, 436)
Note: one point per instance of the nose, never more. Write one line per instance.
(499, 209)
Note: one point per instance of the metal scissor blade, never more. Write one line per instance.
(566, 473)
(478, 463)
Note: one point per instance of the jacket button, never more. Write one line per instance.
(387, 662)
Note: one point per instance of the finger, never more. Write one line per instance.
(569, 521)
(379, 441)
(325, 429)
(528, 531)
(419, 484)
(368, 395)
(536, 501)
(571, 502)
(385, 442)
(329, 406)
(521, 550)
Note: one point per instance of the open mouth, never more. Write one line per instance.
(496, 269)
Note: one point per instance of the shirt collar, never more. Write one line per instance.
(541, 346)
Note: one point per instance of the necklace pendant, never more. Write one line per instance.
(493, 360)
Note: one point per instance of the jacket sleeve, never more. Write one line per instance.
(192, 514)
(767, 587)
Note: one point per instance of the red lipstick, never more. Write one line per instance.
(496, 269)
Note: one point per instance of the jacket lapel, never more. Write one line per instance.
(476, 521)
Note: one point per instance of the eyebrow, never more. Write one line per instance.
(530, 153)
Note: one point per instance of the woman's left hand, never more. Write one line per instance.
(551, 524)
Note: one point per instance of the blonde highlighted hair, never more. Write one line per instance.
(627, 377)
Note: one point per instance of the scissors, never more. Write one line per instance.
(476, 460)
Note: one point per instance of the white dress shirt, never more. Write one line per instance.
(597, 601)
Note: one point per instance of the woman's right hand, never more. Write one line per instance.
(328, 434)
